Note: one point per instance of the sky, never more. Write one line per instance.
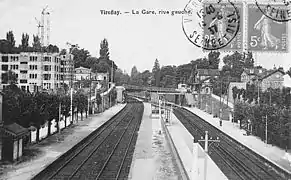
(133, 39)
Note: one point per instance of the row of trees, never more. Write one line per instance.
(170, 76)
(259, 116)
(277, 97)
(273, 106)
(8, 45)
(35, 109)
(102, 64)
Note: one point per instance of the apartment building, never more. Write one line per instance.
(34, 70)
(66, 69)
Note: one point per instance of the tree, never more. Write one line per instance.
(235, 64)
(289, 72)
(121, 77)
(134, 72)
(5, 46)
(10, 38)
(183, 72)
(213, 59)
(145, 76)
(249, 60)
(24, 42)
(156, 73)
(104, 57)
(11, 106)
(40, 113)
(104, 50)
(101, 67)
(36, 45)
(91, 62)
(63, 52)
(80, 56)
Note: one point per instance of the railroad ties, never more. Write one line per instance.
(235, 160)
(105, 154)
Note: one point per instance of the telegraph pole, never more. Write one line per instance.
(266, 130)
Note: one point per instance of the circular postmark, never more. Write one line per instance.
(212, 24)
(279, 11)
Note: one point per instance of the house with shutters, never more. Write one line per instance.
(266, 78)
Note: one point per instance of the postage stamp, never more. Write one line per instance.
(236, 44)
(278, 10)
(211, 25)
(264, 33)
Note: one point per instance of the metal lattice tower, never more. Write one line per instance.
(42, 28)
(48, 28)
(45, 28)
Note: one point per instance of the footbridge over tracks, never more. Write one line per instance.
(153, 94)
(133, 88)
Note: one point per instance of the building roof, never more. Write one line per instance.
(268, 73)
(82, 68)
(208, 72)
(254, 71)
(15, 129)
(208, 78)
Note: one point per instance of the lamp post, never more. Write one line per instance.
(220, 109)
(72, 47)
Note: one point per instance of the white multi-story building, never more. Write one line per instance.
(66, 69)
(34, 70)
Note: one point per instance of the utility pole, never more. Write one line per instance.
(258, 90)
(220, 108)
(270, 97)
(89, 102)
(266, 130)
(228, 83)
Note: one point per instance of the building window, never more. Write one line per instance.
(47, 77)
(4, 67)
(47, 68)
(4, 78)
(24, 72)
(4, 58)
(23, 62)
(23, 81)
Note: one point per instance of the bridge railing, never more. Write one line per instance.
(151, 88)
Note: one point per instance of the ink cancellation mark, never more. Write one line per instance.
(279, 11)
(211, 25)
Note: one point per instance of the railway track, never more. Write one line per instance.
(105, 154)
(235, 160)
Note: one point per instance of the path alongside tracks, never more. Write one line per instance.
(235, 161)
(105, 153)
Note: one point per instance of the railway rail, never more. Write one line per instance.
(105, 154)
(235, 160)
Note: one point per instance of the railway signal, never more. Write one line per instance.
(207, 143)
(207, 140)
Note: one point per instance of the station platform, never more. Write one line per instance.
(55, 145)
(152, 158)
(274, 154)
(184, 146)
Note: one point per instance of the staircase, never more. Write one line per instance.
(190, 99)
